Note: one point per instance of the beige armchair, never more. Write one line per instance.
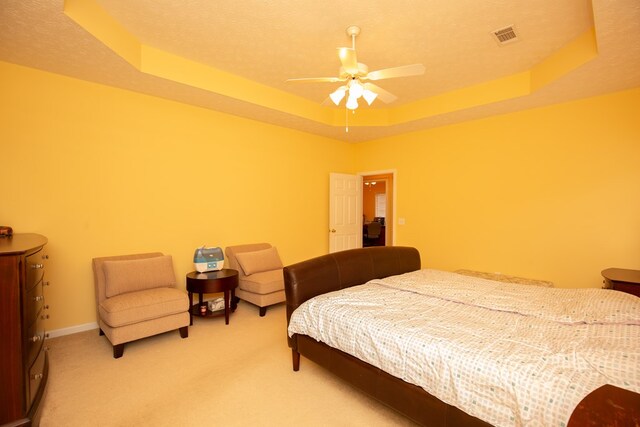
(260, 279)
(136, 297)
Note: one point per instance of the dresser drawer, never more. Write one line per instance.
(35, 268)
(34, 302)
(35, 338)
(36, 375)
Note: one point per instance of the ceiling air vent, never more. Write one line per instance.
(505, 35)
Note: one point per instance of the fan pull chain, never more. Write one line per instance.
(346, 119)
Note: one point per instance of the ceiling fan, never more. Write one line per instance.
(356, 75)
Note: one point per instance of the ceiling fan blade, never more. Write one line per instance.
(383, 95)
(403, 71)
(317, 80)
(349, 60)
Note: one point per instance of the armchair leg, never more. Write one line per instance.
(184, 332)
(118, 350)
(263, 311)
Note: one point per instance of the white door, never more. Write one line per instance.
(345, 212)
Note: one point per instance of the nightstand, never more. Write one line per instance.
(622, 280)
(225, 280)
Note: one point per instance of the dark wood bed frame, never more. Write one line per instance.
(607, 405)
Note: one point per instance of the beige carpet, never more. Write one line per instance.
(233, 375)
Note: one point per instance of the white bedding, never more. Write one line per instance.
(507, 354)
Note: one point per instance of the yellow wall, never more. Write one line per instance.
(551, 193)
(102, 171)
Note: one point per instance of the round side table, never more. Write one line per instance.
(225, 280)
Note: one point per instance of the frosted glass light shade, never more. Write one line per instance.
(338, 94)
(355, 89)
(352, 102)
(369, 96)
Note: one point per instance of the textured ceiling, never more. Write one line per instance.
(269, 42)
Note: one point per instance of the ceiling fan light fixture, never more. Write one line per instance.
(352, 73)
(352, 102)
(338, 94)
(369, 96)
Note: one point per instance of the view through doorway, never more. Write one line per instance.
(377, 206)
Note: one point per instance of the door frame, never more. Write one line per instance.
(394, 175)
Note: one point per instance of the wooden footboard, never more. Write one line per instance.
(606, 406)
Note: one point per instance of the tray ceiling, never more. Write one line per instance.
(235, 57)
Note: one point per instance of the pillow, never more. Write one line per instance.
(133, 275)
(259, 261)
(498, 277)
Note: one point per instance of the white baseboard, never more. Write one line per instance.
(72, 330)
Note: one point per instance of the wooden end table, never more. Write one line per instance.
(623, 280)
(225, 280)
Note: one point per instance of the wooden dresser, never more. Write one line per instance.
(24, 363)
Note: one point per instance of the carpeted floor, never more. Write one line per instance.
(233, 375)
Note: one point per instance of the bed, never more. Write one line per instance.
(339, 277)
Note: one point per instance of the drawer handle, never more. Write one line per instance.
(36, 338)
(45, 283)
(45, 256)
(46, 335)
(38, 298)
(37, 266)
(37, 376)
(46, 307)
(44, 316)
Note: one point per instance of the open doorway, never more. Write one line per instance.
(377, 208)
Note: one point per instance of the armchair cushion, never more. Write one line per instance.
(264, 282)
(133, 275)
(135, 307)
(259, 261)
